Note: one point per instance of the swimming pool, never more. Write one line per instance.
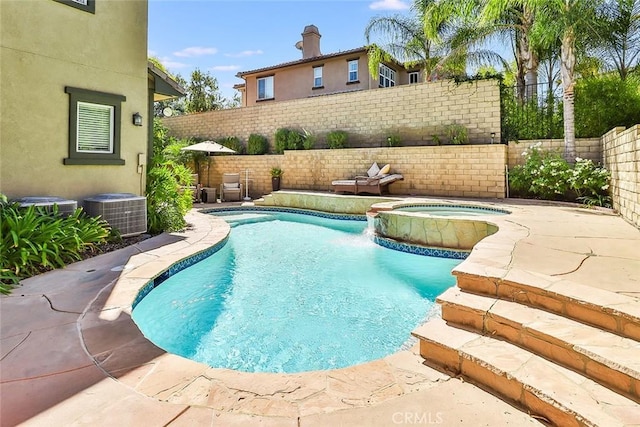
(452, 210)
(292, 293)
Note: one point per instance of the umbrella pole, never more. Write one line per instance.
(208, 169)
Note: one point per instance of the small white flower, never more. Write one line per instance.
(578, 159)
(605, 187)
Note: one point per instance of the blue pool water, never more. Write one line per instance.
(292, 293)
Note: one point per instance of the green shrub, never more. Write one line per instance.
(393, 140)
(337, 139)
(457, 134)
(605, 102)
(280, 140)
(547, 175)
(544, 175)
(233, 143)
(257, 144)
(590, 183)
(167, 202)
(309, 140)
(32, 240)
(295, 140)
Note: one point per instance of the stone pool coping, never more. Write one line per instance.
(70, 345)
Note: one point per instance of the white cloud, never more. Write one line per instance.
(244, 53)
(171, 64)
(195, 51)
(151, 53)
(389, 5)
(225, 67)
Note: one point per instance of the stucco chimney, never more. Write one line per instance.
(310, 42)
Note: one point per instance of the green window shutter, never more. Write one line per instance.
(95, 128)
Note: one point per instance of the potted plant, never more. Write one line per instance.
(276, 174)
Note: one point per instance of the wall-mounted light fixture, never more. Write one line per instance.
(137, 119)
(493, 137)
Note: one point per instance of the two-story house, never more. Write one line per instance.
(76, 104)
(317, 74)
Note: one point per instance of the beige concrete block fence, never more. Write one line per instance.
(621, 153)
(414, 112)
(450, 171)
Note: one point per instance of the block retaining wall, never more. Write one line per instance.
(449, 171)
(621, 152)
(414, 112)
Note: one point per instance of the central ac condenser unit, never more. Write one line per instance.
(124, 212)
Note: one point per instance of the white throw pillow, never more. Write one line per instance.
(385, 170)
(231, 185)
(373, 170)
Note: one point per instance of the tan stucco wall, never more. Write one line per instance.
(621, 152)
(415, 112)
(586, 148)
(45, 46)
(455, 171)
(293, 82)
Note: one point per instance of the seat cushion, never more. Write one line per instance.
(231, 185)
(373, 170)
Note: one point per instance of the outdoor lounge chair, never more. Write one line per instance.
(376, 181)
(231, 187)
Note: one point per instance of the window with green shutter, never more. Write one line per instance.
(94, 127)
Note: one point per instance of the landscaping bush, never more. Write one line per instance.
(337, 139)
(546, 175)
(33, 240)
(280, 140)
(393, 140)
(167, 202)
(457, 134)
(233, 143)
(309, 140)
(604, 102)
(257, 144)
(295, 140)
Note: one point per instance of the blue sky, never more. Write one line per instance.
(224, 37)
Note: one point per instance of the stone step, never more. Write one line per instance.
(606, 310)
(544, 389)
(609, 359)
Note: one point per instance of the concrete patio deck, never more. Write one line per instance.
(71, 355)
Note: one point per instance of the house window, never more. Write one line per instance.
(86, 5)
(387, 76)
(353, 70)
(317, 76)
(265, 88)
(414, 77)
(94, 127)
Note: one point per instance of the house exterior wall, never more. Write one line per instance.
(621, 152)
(296, 81)
(448, 171)
(46, 46)
(414, 112)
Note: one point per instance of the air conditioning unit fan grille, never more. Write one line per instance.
(124, 212)
(65, 207)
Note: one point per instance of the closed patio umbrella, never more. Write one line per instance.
(210, 147)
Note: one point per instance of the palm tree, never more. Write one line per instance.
(404, 39)
(561, 20)
(618, 28)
